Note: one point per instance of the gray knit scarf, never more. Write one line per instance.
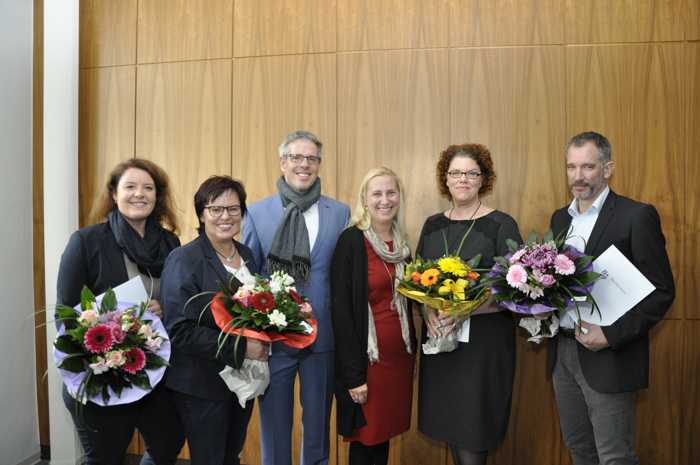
(290, 250)
(397, 256)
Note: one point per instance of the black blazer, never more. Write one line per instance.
(194, 366)
(635, 229)
(92, 258)
(349, 313)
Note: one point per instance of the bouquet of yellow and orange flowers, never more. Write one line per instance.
(448, 284)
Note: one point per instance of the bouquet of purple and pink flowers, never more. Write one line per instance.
(542, 276)
(108, 352)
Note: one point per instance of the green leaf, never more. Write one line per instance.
(548, 236)
(73, 363)
(587, 278)
(512, 245)
(109, 301)
(67, 315)
(154, 361)
(67, 345)
(584, 261)
(501, 261)
(474, 261)
(86, 298)
(532, 237)
(141, 380)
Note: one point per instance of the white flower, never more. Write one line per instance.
(536, 292)
(279, 281)
(154, 343)
(277, 318)
(100, 366)
(114, 358)
(308, 329)
(146, 331)
(88, 318)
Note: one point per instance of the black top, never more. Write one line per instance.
(635, 229)
(92, 258)
(464, 395)
(194, 366)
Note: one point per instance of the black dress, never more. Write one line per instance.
(465, 395)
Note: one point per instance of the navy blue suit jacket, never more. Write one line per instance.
(194, 366)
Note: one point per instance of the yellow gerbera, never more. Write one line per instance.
(452, 265)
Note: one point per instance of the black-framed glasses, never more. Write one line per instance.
(298, 158)
(457, 174)
(218, 210)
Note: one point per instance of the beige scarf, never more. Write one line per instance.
(397, 257)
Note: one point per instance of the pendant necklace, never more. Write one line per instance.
(449, 223)
(228, 258)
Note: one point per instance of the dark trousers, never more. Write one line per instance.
(105, 432)
(598, 428)
(361, 454)
(215, 429)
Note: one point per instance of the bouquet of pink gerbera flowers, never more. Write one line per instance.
(542, 276)
(109, 353)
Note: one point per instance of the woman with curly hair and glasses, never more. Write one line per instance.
(465, 395)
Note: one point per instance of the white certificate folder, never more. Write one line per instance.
(621, 287)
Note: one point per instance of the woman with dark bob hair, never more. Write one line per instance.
(135, 239)
(215, 424)
(465, 395)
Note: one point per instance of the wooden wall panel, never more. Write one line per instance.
(512, 100)
(690, 452)
(660, 407)
(106, 127)
(690, 275)
(269, 27)
(387, 24)
(693, 18)
(393, 110)
(274, 96)
(506, 22)
(596, 21)
(174, 30)
(634, 95)
(183, 123)
(107, 32)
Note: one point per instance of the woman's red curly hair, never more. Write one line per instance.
(477, 152)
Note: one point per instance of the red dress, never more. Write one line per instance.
(390, 380)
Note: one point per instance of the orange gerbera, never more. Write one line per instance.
(415, 277)
(429, 277)
(473, 275)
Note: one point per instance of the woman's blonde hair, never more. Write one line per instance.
(360, 217)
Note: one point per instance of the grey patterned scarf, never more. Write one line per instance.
(397, 256)
(290, 250)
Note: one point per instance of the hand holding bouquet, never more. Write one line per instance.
(109, 353)
(267, 310)
(448, 285)
(540, 277)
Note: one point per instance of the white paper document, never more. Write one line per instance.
(621, 287)
(131, 292)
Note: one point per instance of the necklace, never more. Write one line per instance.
(449, 223)
(228, 258)
(391, 282)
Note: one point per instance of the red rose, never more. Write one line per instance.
(263, 301)
(295, 297)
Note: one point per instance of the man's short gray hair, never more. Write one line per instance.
(600, 141)
(296, 135)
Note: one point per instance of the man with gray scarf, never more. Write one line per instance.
(296, 231)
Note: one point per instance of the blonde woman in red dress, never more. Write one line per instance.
(374, 335)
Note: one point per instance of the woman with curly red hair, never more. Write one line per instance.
(464, 396)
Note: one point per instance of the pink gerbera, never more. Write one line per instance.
(135, 361)
(98, 339)
(563, 265)
(517, 276)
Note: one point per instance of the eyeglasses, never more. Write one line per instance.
(457, 174)
(218, 210)
(297, 158)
